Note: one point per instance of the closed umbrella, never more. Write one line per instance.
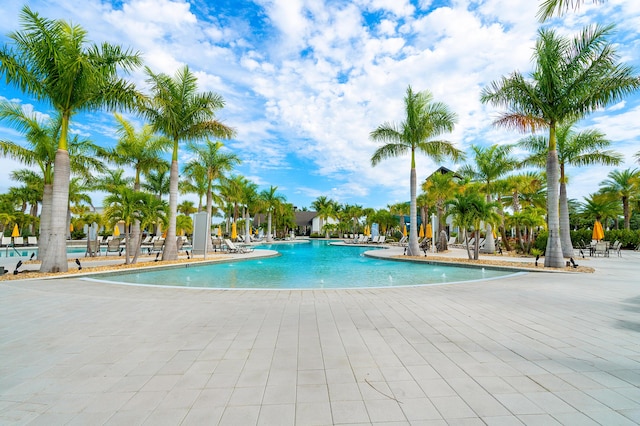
(71, 227)
(404, 230)
(116, 231)
(219, 232)
(16, 231)
(234, 232)
(598, 232)
(421, 233)
(429, 232)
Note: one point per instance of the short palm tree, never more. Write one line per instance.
(123, 206)
(151, 211)
(212, 163)
(489, 165)
(425, 120)
(624, 185)
(584, 148)
(50, 60)
(178, 111)
(571, 78)
(271, 198)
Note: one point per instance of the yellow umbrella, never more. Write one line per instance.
(598, 232)
(116, 231)
(234, 232)
(257, 231)
(421, 233)
(16, 232)
(366, 230)
(219, 232)
(404, 230)
(71, 227)
(429, 232)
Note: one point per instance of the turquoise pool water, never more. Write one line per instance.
(26, 252)
(307, 266)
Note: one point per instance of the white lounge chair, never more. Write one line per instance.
(232, 248)
(32, 240)
(381, 239)
(18, 241)
(6, 241)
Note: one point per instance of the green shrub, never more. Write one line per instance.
(541, 242)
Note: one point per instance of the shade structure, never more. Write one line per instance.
(234, 231)
(404, 230)
(421, 233)
(598, 232)
(429, 232)
(16, 231)
(116, 231)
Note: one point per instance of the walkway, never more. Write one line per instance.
(541, 348)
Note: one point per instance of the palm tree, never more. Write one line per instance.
(194, 182)
(600, 207)
(151, 211)
(584, 148)
(123, 206)
(624, 185)
(51, 61)
(157, 182)
(490, 164)
(326, 208)
(425, 120)
(139, 149)
(187, 208)
(32, 191)
(548, 8)
(42, 139)
(441, 187)
(211, 163)
(571, 79)
(271, 199)
(178, 111)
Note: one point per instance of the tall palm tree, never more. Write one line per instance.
(548, 8)
(584, 148)
(571, 78)
(42, 139)
(211, 163)
(178, 111)
(624, 185)
(271, 198)
(425, 119)
(490, 164)
(50, 60)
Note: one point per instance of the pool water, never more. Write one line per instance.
(20, 252)
(306, 266)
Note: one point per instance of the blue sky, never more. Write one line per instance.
(306, 81)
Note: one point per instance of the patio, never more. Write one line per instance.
(544, 348)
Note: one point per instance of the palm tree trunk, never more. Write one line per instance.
(127, 244)
(565, 227)
(170, 251)
(269, 238)
(55, 257)
(627, 213)
(209, 209)
(413, 248)
(553, 256)
(466, 240)
(45, 220)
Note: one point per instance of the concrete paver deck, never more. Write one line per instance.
(541, 348)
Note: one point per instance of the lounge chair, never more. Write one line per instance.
(232, 248)
(32, 240)
(18, 241)
(601, 248)
(403, 241)
(113, 246)
(156, 247)
(6, 241)
(93, 249)
(381, 239)
(452, 240)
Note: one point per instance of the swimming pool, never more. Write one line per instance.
(308, 266)
(26, 252)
